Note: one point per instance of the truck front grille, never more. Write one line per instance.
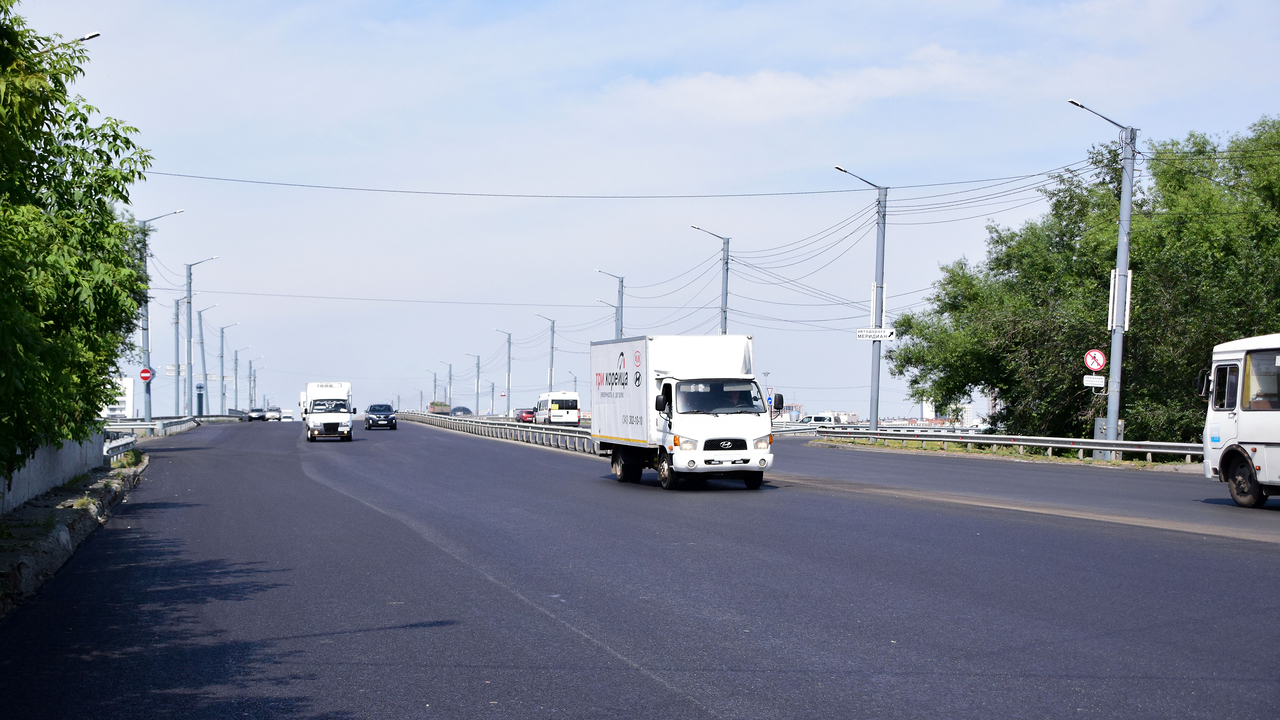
(725, 444)
(330, 428)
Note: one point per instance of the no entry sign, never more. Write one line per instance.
(146, 374)
(1095, 360)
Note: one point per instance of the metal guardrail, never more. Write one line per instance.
(564, 438)
(158, 427)
(1020, 441)
(118, 446)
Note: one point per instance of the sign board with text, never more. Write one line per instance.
(1095, 381)
(876, 334)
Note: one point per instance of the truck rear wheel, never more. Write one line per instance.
(1244, 487)
(667, 474)
(615, 464)
(753, 480)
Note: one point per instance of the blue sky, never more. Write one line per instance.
(611, 99)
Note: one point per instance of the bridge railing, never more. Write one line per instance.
(565, 438)
(1078, 445)
(159, 427)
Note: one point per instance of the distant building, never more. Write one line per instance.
(122, 406)
(968, 418)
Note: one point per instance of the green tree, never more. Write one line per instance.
(1205, 252)
(72, 272)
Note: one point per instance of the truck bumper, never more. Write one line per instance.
(695, 461)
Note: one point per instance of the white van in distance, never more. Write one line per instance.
(557, 408)
(327, 410)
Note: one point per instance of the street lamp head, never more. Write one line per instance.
(1076, 103)
(846, 172)
(90, 36)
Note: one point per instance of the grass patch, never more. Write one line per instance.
(76, 481)
(127, 459)
(84, 503)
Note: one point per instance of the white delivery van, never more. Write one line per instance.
(557, 408)
(687, 406)
(327, 410)
(1242, 423)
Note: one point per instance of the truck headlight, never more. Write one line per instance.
(763, 443)
(687, 443)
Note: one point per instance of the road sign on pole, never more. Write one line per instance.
(876, 334)
(1095, 360)
(145, 374)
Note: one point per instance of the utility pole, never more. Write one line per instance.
(476, 409)
(448, 389)
(1119, 311)
(177, 362)
(724, 283)
(575, 380)
(249, 378)
(434, 387)
(877, 307)
(204, 370)
(508, 369)
(419, 401)
(617, 309)
(491, 398)
(222, 369)
(551, 366)
(143, 248)
(190, 379)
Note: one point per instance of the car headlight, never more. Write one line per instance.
(687, 443)
(763, 443)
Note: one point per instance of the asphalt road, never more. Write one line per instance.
(424, 573)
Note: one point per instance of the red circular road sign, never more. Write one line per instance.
(146, 374)
(1095, 360)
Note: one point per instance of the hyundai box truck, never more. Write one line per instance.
(327, 410)
(686, 406)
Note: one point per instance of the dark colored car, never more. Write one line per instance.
(525, 415)
(383, 416)
(459, 410)
(256, 414)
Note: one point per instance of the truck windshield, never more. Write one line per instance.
(717, 397)
(328, 406)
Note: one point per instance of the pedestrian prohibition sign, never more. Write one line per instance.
(146, 374)
(1095, 360)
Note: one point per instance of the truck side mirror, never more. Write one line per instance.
(660, 403)
(1203, 384)
(777, 402)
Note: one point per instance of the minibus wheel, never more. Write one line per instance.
(1244, 487)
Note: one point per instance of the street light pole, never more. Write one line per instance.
(877, 306)
(617, 309)
(575, 380)
(1119, 310)
(551, 366)
(724, 284)
(177, 360)
(146, 312)
(508, 369)
(190, 388)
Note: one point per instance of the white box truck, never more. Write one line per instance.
(327, 410)
(1242, 423)
(687, 406)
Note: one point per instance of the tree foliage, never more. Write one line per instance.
(72, 272)
(1205, 252)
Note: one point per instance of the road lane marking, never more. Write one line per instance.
(1267, 536)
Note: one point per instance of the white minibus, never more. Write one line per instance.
(557, 408)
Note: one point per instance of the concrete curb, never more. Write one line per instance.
(37, 538)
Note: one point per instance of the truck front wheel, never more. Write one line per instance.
(753, 480)
(667, 474)
(1244, 487)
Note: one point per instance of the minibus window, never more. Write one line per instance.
(1260, 391)
(1226, 378)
